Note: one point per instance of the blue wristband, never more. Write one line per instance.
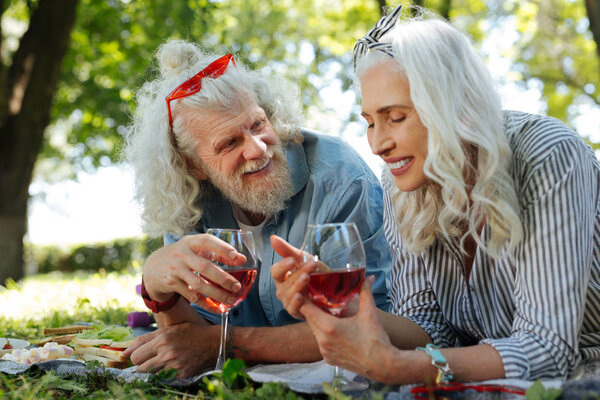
(439, 361)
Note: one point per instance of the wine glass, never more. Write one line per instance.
(243, 243)
(338, 251)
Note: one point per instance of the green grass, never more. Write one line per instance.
(58, 299)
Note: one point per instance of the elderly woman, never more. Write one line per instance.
(493, 219)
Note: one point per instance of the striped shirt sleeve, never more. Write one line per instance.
(411, 295)
(558, 205)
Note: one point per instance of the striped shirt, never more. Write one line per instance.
(539, 306)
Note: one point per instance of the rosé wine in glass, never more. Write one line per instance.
(243, 243)
(333, 290)
(341, 262)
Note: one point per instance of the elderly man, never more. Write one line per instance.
(226, 151)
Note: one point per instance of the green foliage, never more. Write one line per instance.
(117, 255)
(307, 41)
(31, 327)
(557, 52)
(233, 373)
(537, 391)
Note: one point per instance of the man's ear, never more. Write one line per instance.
(195, 169)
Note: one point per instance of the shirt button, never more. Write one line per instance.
(236, 312)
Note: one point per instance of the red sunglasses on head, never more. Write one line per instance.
(427, 392)
(194, 84)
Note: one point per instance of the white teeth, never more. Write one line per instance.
(259, 167)
(399, 164)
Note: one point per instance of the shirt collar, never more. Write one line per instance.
(298, 166)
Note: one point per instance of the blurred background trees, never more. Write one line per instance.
(55, 124)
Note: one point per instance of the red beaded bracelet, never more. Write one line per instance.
(157, 306)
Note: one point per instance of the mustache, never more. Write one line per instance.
(255, 165)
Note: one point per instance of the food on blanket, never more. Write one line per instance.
(61, 339)
(63, 334)
(104, 345)
(63, 330)
(50, 351)
(7, 345)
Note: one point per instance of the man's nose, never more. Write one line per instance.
(254, 147)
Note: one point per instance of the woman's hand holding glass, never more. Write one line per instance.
(333, 254)
(188, 267)
(291, 276)
(358, 343)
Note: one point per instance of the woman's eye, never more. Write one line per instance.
(397, 120)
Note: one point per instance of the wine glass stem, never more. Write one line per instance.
(223, 345)
(338, 373)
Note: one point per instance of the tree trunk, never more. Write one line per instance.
(29, 85)
(445, 9)
(593, 11)
(382, 7)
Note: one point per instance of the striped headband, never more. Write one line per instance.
(370, 40)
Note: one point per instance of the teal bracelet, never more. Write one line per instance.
(439, 361)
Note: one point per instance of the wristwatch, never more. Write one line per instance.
(157, 306)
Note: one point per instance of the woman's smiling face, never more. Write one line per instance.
(395, 132)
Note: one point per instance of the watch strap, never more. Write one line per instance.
(157, 306)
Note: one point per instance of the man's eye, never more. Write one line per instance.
(257, 125)
(226, 145)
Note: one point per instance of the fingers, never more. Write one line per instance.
(212, 248)
(291, 283)
(284, 249)
(313, 314)
(281, 269)
(142, 349)
(198, 289)
(205, 277)
(366, 302)
(139, 341)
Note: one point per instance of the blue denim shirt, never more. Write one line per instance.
(332, 183)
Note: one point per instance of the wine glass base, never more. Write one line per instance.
(343, 385)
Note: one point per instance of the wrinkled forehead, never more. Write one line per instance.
(211, 123)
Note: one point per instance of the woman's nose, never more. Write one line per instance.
(380, 141)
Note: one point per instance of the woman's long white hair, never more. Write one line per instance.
(455, 97)
(171, 195)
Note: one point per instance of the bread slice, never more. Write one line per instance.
(92, 342)
(66, 329)
(106, 361)
(115, 355)
(62, 339)
(122, 345)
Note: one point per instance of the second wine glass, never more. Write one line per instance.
(341, 262)
(243, 243)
